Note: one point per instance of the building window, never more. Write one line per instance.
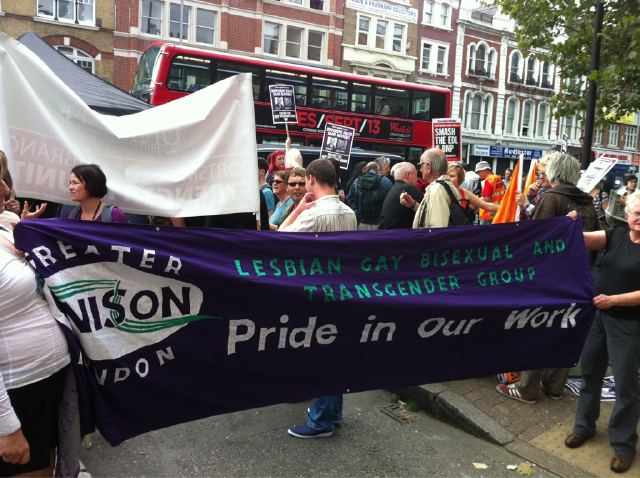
(527, 119)
(532, 71)
(613, 135)
(299, 42)
(630, 136)
(363, 30)
(543, 121)
(73, 11)
(314, 50)
(314, 4)
(205, 26)
(478, 111)
(388, 36)
(545, 75)
(515, 73)
(179, 22)
(79, 57)
(271, 38)
(398, 36)
(294, 39)
(572, 127)
(435, 58)
(381, 33)
(444, 15)
(151, 17)
(481, 60)
(597, 136)
(511, 116)
(427, 13)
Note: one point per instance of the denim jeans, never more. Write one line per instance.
(324, 412)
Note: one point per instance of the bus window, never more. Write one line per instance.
(360, 98)
(329, 93)
(391, 101)
(280, 77)
(225, 69)
(421, 105)
(189, 73)
(144, 76)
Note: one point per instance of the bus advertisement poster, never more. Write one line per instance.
(447, 135)
(283, 104)
(336, 143)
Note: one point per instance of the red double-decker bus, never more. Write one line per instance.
(388, 116)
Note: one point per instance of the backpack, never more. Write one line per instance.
(457, 215)
(370, 198)
(104, 217)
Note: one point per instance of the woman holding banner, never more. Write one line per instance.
(614, 338)
(33, 357)
(468, 201)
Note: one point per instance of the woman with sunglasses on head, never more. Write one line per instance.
(87, 186)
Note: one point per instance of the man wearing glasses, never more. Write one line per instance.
(320, 211)
(296, 190)
(433, 211)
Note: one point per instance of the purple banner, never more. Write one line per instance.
(178, 324)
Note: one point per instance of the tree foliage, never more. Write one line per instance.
(564, 30)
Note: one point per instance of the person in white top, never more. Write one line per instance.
(320, 210)
(33, 356)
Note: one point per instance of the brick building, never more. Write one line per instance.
(305, 31)
(502, 96)
(379, 38)
(81, 29)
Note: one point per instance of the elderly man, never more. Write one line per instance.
(320, 210)
(394, 214)
(434, 210)
(492, 191)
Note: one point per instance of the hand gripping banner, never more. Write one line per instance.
(177, 324)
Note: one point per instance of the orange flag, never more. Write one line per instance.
(508, 209)
(531, 177)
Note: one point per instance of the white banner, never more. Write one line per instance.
(597, 170)
(194, 156)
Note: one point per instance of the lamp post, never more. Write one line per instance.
(591, 100)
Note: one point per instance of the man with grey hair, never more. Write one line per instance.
(394, 214)
(434, 210)
(563, 172)
(384, 165)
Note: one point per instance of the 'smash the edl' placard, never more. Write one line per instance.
(447, 135)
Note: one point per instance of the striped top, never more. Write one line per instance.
(328, 215)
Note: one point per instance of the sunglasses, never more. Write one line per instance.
(424, 164)
(294, 184)
(277, 181)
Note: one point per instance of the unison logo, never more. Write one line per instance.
(124, 309)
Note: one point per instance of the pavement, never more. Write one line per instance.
(535, 432)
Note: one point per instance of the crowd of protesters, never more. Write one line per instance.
(380, 197)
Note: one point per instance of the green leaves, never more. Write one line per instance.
(565, 29)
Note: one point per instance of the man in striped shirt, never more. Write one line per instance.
(320, 210)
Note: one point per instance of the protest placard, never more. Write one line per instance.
(595, 172)
(283, 104)
(337, 142)
(447, 135)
